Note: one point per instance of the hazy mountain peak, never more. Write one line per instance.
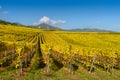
(46, 26)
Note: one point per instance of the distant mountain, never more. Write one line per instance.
(89, 30)
(50, 27)
(47, 27)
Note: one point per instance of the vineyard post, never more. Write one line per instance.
(26, 61)
(48, 64)
(20, 65)
(70, 64)
(108, 68)
(119, 64)
(92, 63)
(112, 62)
(118, 60)
(13, 51)
(5, 56)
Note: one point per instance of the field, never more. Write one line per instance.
(36, 54)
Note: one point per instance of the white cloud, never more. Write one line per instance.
(47, 20)
(44, 19)
(58, 22)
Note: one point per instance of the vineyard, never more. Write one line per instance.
(26, 50)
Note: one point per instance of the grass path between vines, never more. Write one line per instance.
(62, 74)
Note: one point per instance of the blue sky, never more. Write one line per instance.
(67, 14)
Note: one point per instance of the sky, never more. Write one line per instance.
(66, 14)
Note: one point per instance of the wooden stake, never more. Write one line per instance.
(92, 63)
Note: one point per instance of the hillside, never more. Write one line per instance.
(57, 55)
(51, 27)
(6, 22)
(89, 30)
(47, 27)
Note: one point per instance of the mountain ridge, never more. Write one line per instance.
(51, 27)
(89, 30)
(47, 26)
